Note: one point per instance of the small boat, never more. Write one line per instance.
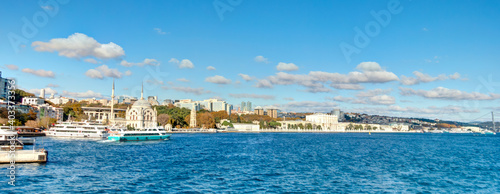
(488, 133)
(140, 135)
(78, 129)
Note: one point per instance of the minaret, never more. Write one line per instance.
(192, 119)
(112, 116)
(142, 91)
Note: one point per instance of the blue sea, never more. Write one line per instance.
(267, 162)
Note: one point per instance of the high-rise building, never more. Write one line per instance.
(259, 110)
(4, 86)
(192, 118)
(42, 93)
(249, 106)
(272, 112)
(243, 106)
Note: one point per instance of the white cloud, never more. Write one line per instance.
(426, 78)
(103, 71)
(12, 67)
(173, 60)
(286, 67)
(264, 84)
(154, 82)
(315, 80)
(87, 94)
(382, 100)
(47, 7)
(151, 62)
(159, 31)
(185, 63)
(289, 99)
(79, 45)
(347, 86)
(91, 60)
(374, 92)
(448, 94)
(218, 80)
(246, 77)
(128, 73)
(261, 59)
(257, 96)
(309, 106)
(53, 85)
(196, 91)
(183, 80)
(425, 112)
(340, 99)
(210, 68)
(40, 72)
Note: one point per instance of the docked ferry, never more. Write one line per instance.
(78, 129)
(140, 135)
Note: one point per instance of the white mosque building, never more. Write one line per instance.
(141, 115)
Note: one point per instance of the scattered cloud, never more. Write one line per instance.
(196, 91)
(308, 106)
(103, 71)
(426, 78)
(289, 99)
(154, 82)
(91, 60)
(52, 85)
(87, 94)
(210, 68)
(370, 72)
(183, 80)
(286, 67)
(40, 72)
(261, 59)
(382, 100)
(447, 94)
(246, 77)
(47, 7)
(256, 96)
(374, 92)
(79, 45)
(218, 80)
(340, 99)
(128, 73)
(159, 31)
(12, 67)
(185, 63)
(151, 62)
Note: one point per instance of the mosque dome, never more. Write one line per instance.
(141, 103)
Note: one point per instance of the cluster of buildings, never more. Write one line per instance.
(272, 112)
(212, 105)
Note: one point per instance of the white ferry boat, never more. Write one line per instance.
(78, 129)
(140, 135)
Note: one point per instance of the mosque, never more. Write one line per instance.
(141, 115)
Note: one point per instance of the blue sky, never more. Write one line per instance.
(430, 59)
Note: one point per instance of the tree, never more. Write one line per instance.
(350, 126)
(301, 126)
(163, 119)
(308, 126)
(375, 128)
(318, 127)
(219, 115)
(368, 127)
(274, 124)
(46, 122)
(205, 120)
(32, 123)
(225, 123)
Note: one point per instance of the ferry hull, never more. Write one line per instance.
(139, 138)
(77, 135)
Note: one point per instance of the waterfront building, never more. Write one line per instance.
(211, 105)
(141, 115)
(32, 101)
(244, 127)
(326, 121)
(103, 113)
(46, 110)
(4, 86)
(61, 100)
(259, 110)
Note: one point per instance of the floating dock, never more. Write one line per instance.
(24, 156)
